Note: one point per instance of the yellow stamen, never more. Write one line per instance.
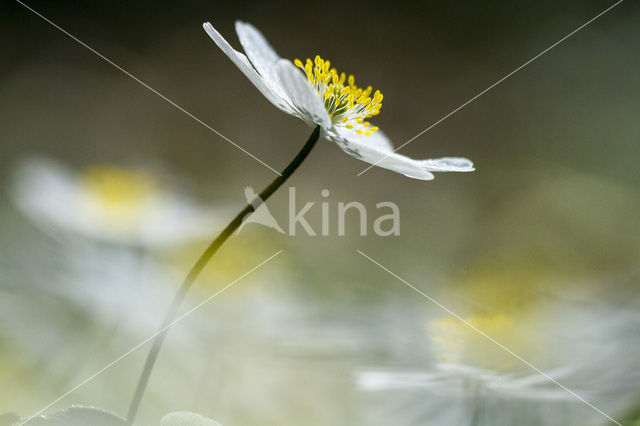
(117, 195)
(342, 99)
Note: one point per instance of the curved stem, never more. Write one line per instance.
(202, 262)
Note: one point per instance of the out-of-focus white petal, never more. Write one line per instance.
(302, 95)
(372, 381)
(173, 219)
(186, 419)
(448, 164)
(377, 153)
(261, 54)
(78, 416)
(537, 379)
(46, 192)
(59, 201)
(270, 91)
(451, 379)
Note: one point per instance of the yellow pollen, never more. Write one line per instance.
(117, 196)
(343, 100)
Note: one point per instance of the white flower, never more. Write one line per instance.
(469, 372)
(322, 98)
(83, 416)
(185, 418)
(474, 381)
(109, 203)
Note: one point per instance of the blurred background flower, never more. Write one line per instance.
(463, 377)
(112, 225)
(539, 246)
(111, 204)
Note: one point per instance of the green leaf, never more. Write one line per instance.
(78, 416)
(187, 419)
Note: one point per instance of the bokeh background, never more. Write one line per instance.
(538, 248)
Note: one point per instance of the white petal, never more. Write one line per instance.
(448, 164)
(538, 379)
(376, 140)
(263, 57)
(356, 146)
(47, 193)
(273, 93)
(78, 416)
(379, 151)
(388, 380)
(304, 97)
(186, 419)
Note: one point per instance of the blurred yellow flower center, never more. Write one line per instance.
(456, 343)
(117, 193)
(348, 104)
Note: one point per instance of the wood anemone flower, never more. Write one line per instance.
(321, 96)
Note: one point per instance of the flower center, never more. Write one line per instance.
(347, 105)
(454, 342)
(116, 194)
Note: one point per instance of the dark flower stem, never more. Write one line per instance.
(202, 261)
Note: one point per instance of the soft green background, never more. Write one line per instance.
(551, 214)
